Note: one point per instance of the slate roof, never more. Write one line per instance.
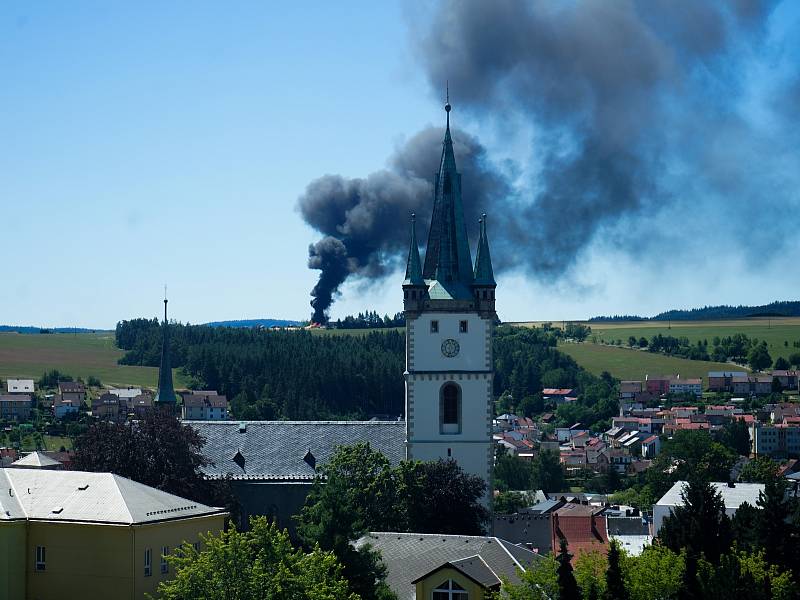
(277, 449)
(79, 496)
(409, 556)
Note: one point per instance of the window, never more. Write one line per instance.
(434, 326)
(462, 326)
(450, 408)
(40, 558)
(450, 590)
(164, 563)
(148, 562)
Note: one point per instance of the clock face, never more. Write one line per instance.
(450, 348)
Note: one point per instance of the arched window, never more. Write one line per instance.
(450, 590)
(450, 408)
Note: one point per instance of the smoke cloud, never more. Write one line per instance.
(634, 110)
(365, 221)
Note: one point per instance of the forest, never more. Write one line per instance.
(303, 375)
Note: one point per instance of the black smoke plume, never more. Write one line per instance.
(632, 109)
(365, 221)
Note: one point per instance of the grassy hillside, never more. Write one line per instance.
(79, 355)
(626, 363)
(777, 332)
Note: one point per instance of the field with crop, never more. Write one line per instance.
(79, 355)
(626, 363)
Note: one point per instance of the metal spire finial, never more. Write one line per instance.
(447, 106)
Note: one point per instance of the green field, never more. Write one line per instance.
(777, 332)
(626, 363)
(78, 355)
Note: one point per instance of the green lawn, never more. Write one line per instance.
(625, 363)
(79, 355)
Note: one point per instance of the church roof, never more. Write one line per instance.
(447, 255)
(166, 391)
(484, 275)
(280, 449)
(36, 460)
(413, 265)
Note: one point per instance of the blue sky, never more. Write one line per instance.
(152, 143)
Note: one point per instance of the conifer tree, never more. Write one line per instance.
(567, 585)
(615, 584)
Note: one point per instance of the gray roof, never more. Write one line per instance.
(733, 497)
(36, 460)
(277, 449)
(79, 496)
(409, 556)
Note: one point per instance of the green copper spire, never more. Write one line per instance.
(413, 266)
(166, 392)
(447, 256)
(484, 275)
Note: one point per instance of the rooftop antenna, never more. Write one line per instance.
(447, 106)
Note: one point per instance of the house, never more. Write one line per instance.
(651, 446)
(418, 565)
(205, 407)
(73, 391)
(139, 405)
(110, 407)
(628, 528)
(15, 407)
(629, 389)
(558, 395)
(686, 386)
(657, 386)
(733, 496)
(722, 381)
(583, 526)
(530, 527)
(787, 379)
(64, 406)
(73, 534)
(19, 386)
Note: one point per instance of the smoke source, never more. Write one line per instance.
(634, 108)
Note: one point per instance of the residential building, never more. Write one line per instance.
(73, 534)
(651, 446)
(63, 406)
(686, 386)
(19, 386)
(72, 392)
(733, 496)
(779, 440)
(722, 381)
(628, 528)
(139, 405)
(787, 379)
(558, 395)
(583, 526)
(419, 564)
(127, 394)
(15, 407)
(530, 527)
(205, 407)
(629, 389)
(657, 385)
(110, 407)
(37, 460)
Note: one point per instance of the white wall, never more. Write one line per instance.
(425, 348)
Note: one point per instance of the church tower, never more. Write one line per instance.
(450, 312)
(166, 392)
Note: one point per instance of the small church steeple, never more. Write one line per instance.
(484, 274)
(413, 265)
(166, 392)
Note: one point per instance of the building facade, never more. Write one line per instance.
(450, 313)
(72, 534)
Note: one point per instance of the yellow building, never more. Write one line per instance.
(73, 534)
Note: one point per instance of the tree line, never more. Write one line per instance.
(310, 375)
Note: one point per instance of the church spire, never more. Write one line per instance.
(484, 274)
(166, 391)
(447, 256)
(413, 266)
